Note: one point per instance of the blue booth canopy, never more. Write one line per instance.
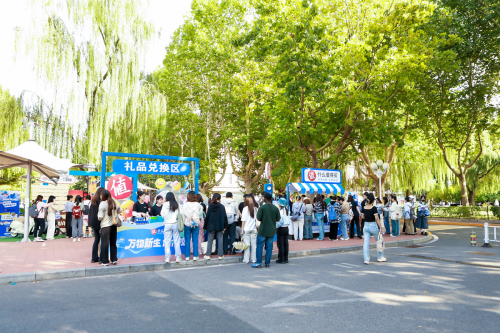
(319, 188)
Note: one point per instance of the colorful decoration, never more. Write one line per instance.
(160, 183)
(120, 187)
(127, 208)
(176, 185)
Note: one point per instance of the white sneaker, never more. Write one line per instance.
(178, 260)
(187, 259)
(206, 257)
(220, 258)
(78, 238)
(367, 262)
(195, 258)
(382, 259)
(74, 240)
(167, 260)
(392, 235)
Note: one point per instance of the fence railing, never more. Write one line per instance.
(466, 212)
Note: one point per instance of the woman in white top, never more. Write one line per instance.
(192, 213)
(51, 217)
(249, 230)
(395, 212)
(169, 213)
(108, 208)
(40, 219)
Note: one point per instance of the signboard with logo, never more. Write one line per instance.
(63, 179)
(321, 176)
(120, 187)
(149, 167)
(9, 207)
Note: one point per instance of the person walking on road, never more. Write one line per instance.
(372, 227)
(95, 223)
(249, 230)
(108, 208)
(320, 208)
(282, 233)
(68, 208)
(169, 212)
(308, 219)
(268, 215)
(215, 224)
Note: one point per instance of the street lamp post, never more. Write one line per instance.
(379, 169)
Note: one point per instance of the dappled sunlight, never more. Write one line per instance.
(488, 298)
(443, 278)
(158, 294)
(391, 299)
(273, 283)
(292, 310)
(494, 310)
(245, 284)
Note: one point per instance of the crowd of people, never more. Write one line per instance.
(215, 228)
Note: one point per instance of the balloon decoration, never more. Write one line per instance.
(127, 208)
(176, 185)
(160, 183)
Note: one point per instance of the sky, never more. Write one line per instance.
(16, 73)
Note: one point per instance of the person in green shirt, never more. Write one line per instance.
(268, 214)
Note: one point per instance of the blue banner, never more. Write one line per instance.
(148, 167)
(9, 206)
(143, 240)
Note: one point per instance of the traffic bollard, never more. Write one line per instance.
(486, 236)
(473, 239)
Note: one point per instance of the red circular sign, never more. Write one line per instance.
(153, 231)
(311, 175)
(120, 187)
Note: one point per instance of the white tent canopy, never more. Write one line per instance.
(30, 155)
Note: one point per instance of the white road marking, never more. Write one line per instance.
(344, 263)
(380, 273)
(286, 301)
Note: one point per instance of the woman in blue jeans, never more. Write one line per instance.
(319, 208)
(387, 223)
(372, 227)
(308, 219)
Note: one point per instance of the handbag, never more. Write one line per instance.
(380, 243)
(115, 220)
(204, 247)
(180, 222)
(295, 216)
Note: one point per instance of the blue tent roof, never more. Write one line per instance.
(320, 188)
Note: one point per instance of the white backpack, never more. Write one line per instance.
(191, 215)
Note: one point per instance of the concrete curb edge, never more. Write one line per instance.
(154, 266)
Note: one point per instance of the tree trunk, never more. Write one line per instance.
(463, 189)
(472, 195)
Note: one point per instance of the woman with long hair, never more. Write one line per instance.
(108, 208)
(422, 223)
(40, 219)
(169, 213)
(51, 218)
(372, 227)
(355, 229)
(192, 212)
(385, 209)
(320, 208)
(95, 224)
(158, 206)
(77, 222)
(215, 223)
(395, 216)
(282, 234)
(249, 230)
(308, 219)
(201, 235)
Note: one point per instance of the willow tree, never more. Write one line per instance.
(89, 52)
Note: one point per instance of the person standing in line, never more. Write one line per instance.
(215, 224)
(387, 223)
(413, 216)
(232, 216)
(40, 219)
(408, 226)
(372, 228)
(201, 234)
(395, 216)
(320, 208)
(87, 229)
(355, 230)
(108, 208)
(51, 218)
(362, 222)
(77, 218)
(308, 219)
(282, 233)
(422, 223)
(298, 208)
(268, 214)
(169, 212)
(95, 223)
(249, 230)
(334, 217)
(344, 218)
(156, 209)
(68, 208)
(192, 212)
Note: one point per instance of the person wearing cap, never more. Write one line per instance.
(282, 234)
(268, 214)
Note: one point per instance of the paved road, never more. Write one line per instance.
(409, 293)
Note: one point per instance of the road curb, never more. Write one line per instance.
(155, 266)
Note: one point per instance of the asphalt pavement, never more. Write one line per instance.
(437, 287)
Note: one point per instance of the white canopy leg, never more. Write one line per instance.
(26, 237)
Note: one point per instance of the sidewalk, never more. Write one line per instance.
(62, 258)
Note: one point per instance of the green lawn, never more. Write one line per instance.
(19, 238)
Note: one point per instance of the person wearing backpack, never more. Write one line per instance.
(215, 224)
(298, 210)
(87, 230)
(282, 232)
(68, 207)
(334, 217)
(77, 218)
(39, 217)
(192, 214)
(395, 211)
(232, 216)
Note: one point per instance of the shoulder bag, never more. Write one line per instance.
(180, 221)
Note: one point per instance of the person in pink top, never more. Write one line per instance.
(40, 219)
